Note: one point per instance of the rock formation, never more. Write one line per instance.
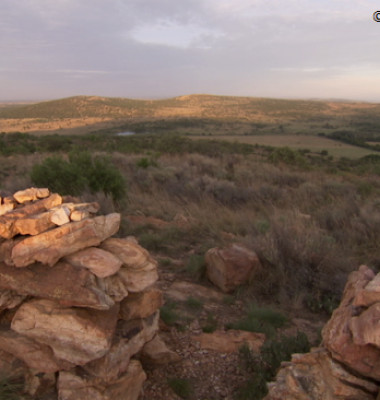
(347, 365)
(75, 304)
(231, 267)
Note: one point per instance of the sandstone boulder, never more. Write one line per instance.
(7, 221)
(231, 267)
(114, 286)
(230, 341)
(80, 387)
(68, 285)
(60, 215)
(34, 224)
(31, 194)
(130, 337)
(337, 335)
(9, 299)
(75, 335)
(365, 328)
(5, 208)
(141, 305)
(50, 246)
(370, 294)
(316, 376)
(35, 355)
(157, 353)
(100, 262)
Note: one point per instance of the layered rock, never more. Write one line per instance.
(347, 365)
(64, 299)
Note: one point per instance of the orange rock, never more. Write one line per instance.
(231, 267)
(156, 352)
(7, 221)
(35, 355)
(76, 335)
(230, 341)
(78, 387)
(129, 339)
(100, 262)
(31, 194)
(50, 246)
(316, 375)
(141, 305)
(362, 358)
(69, 285)
(365, 328)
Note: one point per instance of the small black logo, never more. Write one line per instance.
(376, 16)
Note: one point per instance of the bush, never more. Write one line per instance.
(181, 387)
(260, 319)
(79, 173)
(263, 367)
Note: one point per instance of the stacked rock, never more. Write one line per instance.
(347, 364)
(75, 304)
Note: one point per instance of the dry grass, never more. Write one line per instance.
(310, 228)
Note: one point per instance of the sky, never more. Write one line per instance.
(314, 49)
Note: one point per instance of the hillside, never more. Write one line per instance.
(195, 111)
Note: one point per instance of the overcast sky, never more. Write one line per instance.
(164, 48)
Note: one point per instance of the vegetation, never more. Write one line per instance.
(260, 319)
(181, 387)
(264, 366)
(79, 173)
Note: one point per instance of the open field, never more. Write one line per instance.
(313, 143)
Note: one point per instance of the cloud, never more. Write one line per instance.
(170, 47)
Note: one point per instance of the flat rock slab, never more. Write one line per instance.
(50, 246)
(230, 341)
(35, 355)
(31, 194)
(69, 285)
(74, 334)
(100, 262)
(127, 387)
(8, 220)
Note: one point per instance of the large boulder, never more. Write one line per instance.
(50, 246)
(69, 285)
(231, 267)
(316, 376)
(349, 334)
(74, 334)
(35, 355)
(100, 262)
(72, 386)
(139, 270)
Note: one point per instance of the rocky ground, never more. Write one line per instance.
(203, 373)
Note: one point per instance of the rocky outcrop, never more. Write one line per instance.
(347, 365)
(67, 324)
(231, 267)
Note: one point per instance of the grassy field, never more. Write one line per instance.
(313, 143)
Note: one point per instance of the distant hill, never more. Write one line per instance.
(242, 115)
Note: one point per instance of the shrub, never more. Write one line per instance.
(181, 387)
(260, 319)
(10, 390)
(263, 367)
(79, 173)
